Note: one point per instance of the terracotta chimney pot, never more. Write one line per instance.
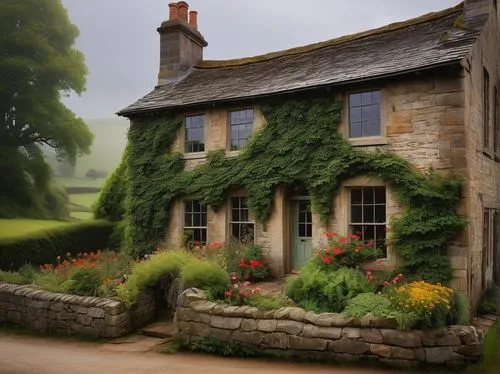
(174, 11)
(193, 19)
(183, 10)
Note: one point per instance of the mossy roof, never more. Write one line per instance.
(434, 39)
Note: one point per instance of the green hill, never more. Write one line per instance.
(106, 152)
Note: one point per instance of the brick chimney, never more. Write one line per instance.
(181, 44)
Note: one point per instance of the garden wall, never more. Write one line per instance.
(326, 336)
(72, 315)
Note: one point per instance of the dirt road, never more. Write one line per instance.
(20, 354)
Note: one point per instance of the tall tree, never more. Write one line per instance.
(38, 65)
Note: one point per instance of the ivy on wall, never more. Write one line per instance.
(300, 145)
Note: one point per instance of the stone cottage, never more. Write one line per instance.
(425, 89)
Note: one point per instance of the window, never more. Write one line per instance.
(195, 221)
(368, 215)
(241, 127)
(242, 225)
(364, 114)
(194, 134)
(486, 109)
(490, 242)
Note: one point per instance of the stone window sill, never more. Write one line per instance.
(194, 156)
(369, 141)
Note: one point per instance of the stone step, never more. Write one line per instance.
(162, 330)
(490, 317)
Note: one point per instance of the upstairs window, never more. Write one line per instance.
(241, 128)
(368, 215)
(486, 109)
(364, 114)
(194, 134)
(242, 225)
(195, 222)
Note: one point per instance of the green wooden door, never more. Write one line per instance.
(301, 233)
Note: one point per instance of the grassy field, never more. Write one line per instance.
(86, 200)
(17, 227)
(80, 182)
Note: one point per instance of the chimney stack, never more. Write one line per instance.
(181, 44)
(183, 10)
(174, 11)
(193, 19)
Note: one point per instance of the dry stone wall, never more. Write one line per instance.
(72, 315)
(327, 336)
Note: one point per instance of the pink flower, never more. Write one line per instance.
(378, 262)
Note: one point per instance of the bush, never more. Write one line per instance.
(269, 302)
(342, 251)
(431, 303)
(13, 277)
(111, 202)
(322, 291)
(85, 281)
(460, 310)
(488, 303)
(253, 265)
(378, 305)
(43, 247)
(149, 272)
(206, 275)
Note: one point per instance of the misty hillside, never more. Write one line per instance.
(107, 149)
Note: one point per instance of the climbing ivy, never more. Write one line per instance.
(300, 145)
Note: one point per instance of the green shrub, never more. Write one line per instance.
(253, 265)
(269, 302)
(378, 305)
(85, 281)
(459, 313)
(111, 202)
(13, 277)
(488, 303)
(206, 275)
(216, 346)
(117, 237)
(321, 291)
(43, 247)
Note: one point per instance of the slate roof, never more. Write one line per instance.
(431, 40)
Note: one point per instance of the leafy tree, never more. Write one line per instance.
(38, 65)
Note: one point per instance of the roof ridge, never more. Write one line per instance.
(214, 64)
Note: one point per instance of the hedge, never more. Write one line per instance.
(43, 247)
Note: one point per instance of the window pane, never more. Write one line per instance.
(194, 133)
(357, 229)
(366, 113)
(368, 196)
(302, 230)
(369, 232)
(380, 195)
(235, 215)
(356, 196)
(376, 96)
(309, 230)
(380, 213)
(368, 214)
(244, 215)
(376, 111)
(356, 214)
(355, 115)
(188, 220)
(355, 130)
(355, 100)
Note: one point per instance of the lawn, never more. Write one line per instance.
(85, 200)
(10, 228)
(81, 182)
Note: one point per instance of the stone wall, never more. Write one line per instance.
(72, 315)
(327, 336)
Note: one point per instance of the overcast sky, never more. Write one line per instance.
(121, 45)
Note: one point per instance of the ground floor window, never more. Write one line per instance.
(368, 215)
(242, 225)
(195, 222)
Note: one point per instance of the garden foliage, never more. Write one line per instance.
(300, 145)
(43, 247)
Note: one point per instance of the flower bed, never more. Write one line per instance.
(325, 336)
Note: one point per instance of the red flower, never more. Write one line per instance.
(243, 264)
(330, 234)
(228, 293)
(378, 262)
(327, 259)
(338, 251)
(255, 264)
(370, 243)
(354, 237)
(344, 239)
(216, 244)
(386, 283)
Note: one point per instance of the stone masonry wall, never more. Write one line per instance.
(327, 336)
(72, 315)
